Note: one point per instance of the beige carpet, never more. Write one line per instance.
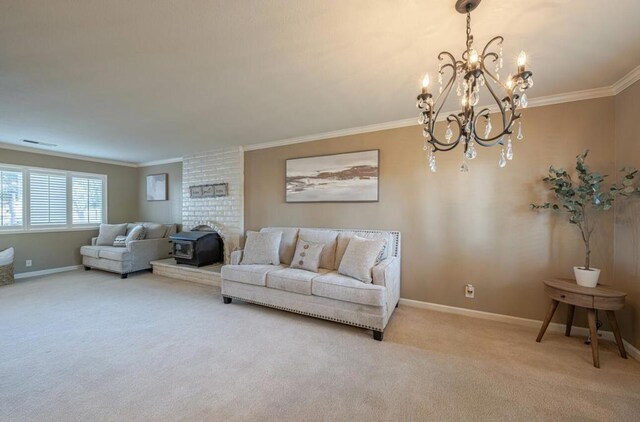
(89, 346)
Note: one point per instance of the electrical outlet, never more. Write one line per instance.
(469, 291)
(28, 263)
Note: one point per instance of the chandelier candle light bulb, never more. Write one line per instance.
(467, 76)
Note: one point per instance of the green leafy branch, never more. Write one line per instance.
(581, 197)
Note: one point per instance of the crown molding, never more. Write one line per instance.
(333, 134)
(587, 94)
(160, 162)
(626, 81)
(20, 148)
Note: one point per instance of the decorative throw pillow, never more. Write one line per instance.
(120, 242)
(154, 230)
(108, 233)
(307, 255)
(262, 248)
(360, 257)
(137, 233)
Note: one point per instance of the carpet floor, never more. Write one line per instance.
(83, 346)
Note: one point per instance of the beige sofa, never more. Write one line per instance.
(136, 256)
(326, 294)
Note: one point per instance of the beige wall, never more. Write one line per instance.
(627, 213)
(460, 228)
(169, 211)
(61, 249)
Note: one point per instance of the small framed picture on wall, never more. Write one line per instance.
(157, 187)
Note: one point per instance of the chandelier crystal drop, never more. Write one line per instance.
(469, 75)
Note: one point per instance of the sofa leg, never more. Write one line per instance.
(86, 268)
(397, 304)
(226, 299)
(377, 335)
(123, 276)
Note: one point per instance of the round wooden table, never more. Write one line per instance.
(591, 298)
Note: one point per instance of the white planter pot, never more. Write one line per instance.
(586, 278)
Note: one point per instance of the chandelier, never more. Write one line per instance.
(470, 126)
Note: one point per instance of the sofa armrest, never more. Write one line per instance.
(94, 240)
(236, 257)
(387, 273)
(150, 249)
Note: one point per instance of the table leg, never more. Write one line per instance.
(616, 332)
(567, 331)
(547, 319)
(591, 317)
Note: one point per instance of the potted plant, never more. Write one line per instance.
(581, 199)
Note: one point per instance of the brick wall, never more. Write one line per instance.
(226, 214)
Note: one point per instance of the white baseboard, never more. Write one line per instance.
(554, 326)
(30, 274)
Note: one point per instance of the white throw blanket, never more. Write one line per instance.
(6, 256)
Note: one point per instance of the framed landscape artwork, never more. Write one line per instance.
(349, 177)
(157, 187)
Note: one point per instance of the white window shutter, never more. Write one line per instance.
(47, 199)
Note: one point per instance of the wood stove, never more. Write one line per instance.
(198, 247)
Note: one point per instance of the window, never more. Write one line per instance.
(87, 200)
(11, 200)
(43, 199)
(47, 199)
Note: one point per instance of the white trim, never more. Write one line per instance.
(335, 134)
(626, 81)
(534, 102)
(159, 162)
(14, 147)
(587, 94)
(554, 327)
(30, 274)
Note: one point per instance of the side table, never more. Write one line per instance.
(596, 298)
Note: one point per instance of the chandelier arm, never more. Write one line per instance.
(491, 41)
(447, 146)
(488, 142)
(447, 88)
(497, 100)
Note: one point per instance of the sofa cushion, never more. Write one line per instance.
(114, 253)
(248, 274)
(262, 248)
(335, 286)
(307, 256)
(109, 232)
(120, 242)
(360, 257)
(154, 230)
(136, 233)
(287, 243)
(92, 251)
(345, 236)
(292, 280)
(329, 238)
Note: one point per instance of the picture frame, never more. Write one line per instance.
(157, 187)
(195, 191)
(345, 177)
(214, 190)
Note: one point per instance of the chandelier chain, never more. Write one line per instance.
(469, 36)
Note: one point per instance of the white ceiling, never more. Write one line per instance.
(147, 80)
